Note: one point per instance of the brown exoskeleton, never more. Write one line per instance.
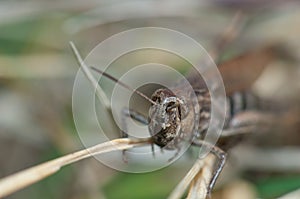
(169, 117)
(166, 117)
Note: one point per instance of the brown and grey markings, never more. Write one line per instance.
(170, 115)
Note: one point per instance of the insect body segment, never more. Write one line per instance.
(170, 117)
(165, 119)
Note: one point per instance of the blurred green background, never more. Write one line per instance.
(37, 70)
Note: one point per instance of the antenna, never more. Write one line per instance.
(123, 84)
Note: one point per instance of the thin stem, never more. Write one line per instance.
(22, 179)
(198, 178)
(180, 189)
(99, 92)
(199, 185)
(228, 35)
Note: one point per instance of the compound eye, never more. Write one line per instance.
(156, 99)
(170, 106)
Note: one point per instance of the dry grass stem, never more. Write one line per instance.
(185, 182)
(17, 181)
(199, 185)
(198, 176)
(231, 31)
(99, 92)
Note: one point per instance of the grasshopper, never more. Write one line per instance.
(169, 113)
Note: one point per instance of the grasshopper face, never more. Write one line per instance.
(165, 118)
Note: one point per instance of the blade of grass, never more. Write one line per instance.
(228, 35)
(22, 179)
(99, 92)
(180, 189)
(199, 185)
(197, 178)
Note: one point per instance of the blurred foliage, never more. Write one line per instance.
(12, 42)
(151, 185)
(45, 33)
(55, 186)
(277, 185)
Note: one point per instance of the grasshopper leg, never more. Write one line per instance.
(128, 113)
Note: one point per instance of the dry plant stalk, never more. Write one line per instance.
(17, 181)
(228, 35)
(199, 185)
(198, 178)
(99, 92)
